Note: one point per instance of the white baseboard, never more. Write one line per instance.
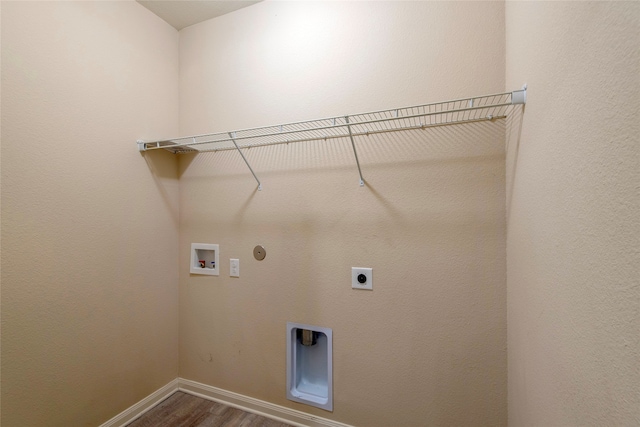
(229, 398)
(130, 414)
(256, 406)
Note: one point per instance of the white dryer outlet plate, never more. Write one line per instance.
(359, 282)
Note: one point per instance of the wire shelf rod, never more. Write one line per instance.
(187, 149)
(357, 134)
(458, 111)
(327, 127)
(506, 95)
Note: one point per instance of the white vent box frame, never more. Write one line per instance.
(205, 259)
(310, 365)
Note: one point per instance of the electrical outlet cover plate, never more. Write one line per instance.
(357, 271)
(234, 267)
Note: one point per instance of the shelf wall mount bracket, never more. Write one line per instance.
(353, 145)
(519, 96)
(232, 136)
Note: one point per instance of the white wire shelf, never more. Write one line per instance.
(465, 110)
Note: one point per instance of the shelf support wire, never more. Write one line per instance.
(346, 118)
(232, 135)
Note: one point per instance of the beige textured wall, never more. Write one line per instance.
(573, 224)
(89, 228)
(428, 345)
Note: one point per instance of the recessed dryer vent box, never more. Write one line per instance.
(310, 365)
(204, 259)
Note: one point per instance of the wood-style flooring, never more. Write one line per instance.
(184, 410)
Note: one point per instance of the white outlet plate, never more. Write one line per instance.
(357, 271)
(234, 267)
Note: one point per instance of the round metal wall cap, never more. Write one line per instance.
(259, 252)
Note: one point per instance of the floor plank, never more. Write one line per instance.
(184, 410)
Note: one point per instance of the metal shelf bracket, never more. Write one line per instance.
(519, 96)
(353, 145)
(232, 136)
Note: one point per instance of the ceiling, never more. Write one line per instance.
(183, 13)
